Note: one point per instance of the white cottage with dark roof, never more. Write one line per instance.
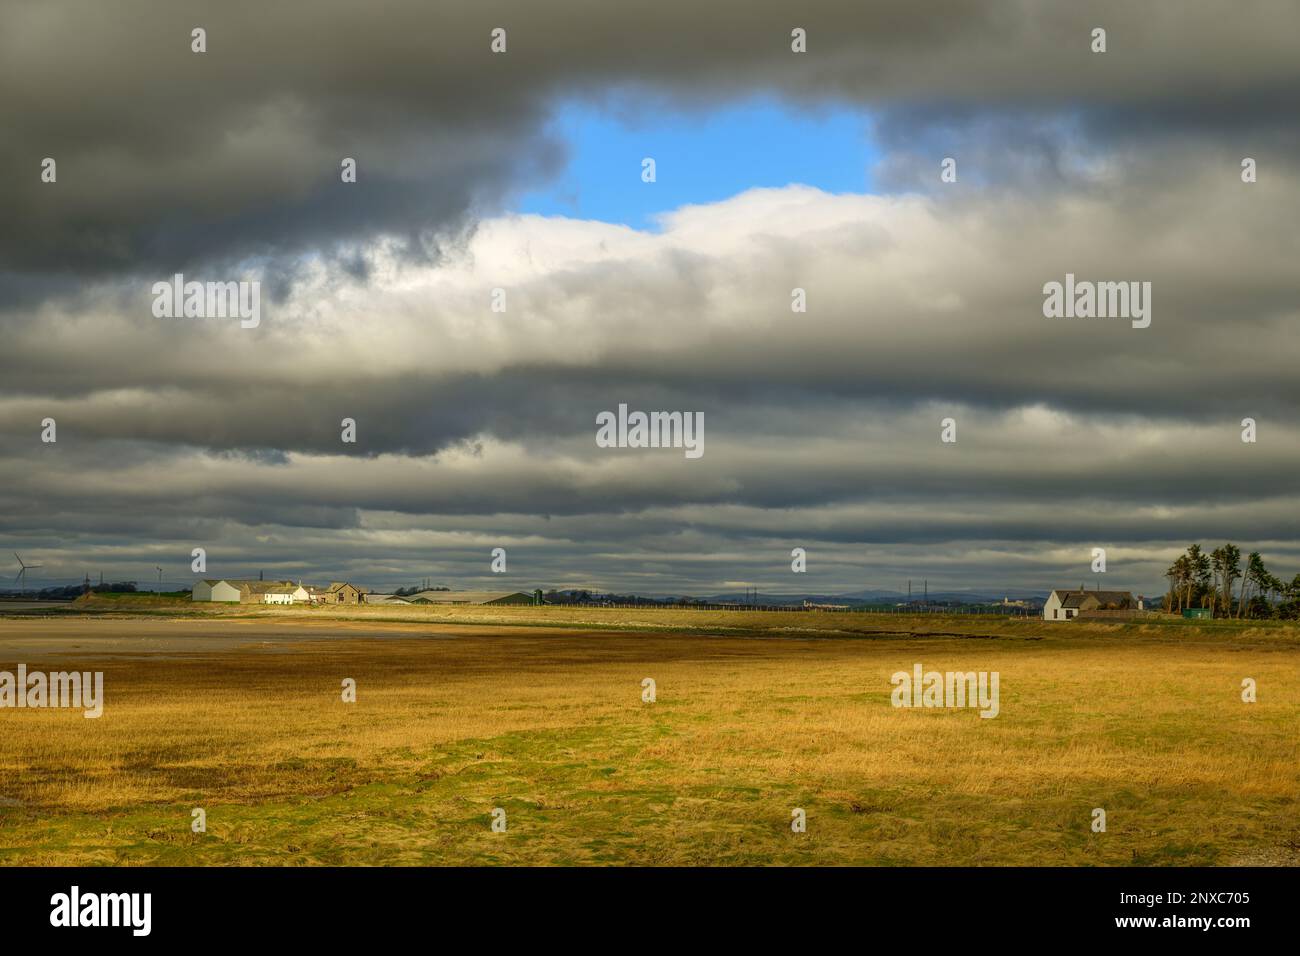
(1067, 605)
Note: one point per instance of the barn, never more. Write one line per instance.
(373, 598)
(471, 597)
(210, 590)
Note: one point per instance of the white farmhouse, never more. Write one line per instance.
(286, 595)
(1065, 605)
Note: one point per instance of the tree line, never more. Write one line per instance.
(1218, 581)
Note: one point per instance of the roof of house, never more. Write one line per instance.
(464, 597)
(238, 583)
(373, 598)
(261, 587)
(1073, 598)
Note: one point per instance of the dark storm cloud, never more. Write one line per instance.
(169, 158)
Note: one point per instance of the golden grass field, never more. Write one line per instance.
(464, 709)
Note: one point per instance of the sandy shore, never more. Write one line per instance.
(32, 639)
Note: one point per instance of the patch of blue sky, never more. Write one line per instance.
(701, 156)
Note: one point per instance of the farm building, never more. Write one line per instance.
(1067, 605)
(340, 592)
(289, 594)
(215, 591)
(255, 592)
(470, 597)
(248, 592)
(373, 598)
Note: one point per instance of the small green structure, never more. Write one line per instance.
(1196, 612)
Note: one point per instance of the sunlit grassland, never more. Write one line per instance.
(1145, 722)
(671, 619)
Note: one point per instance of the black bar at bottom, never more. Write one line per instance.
(331, 906)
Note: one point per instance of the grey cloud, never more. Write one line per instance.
(476, 429)
(168, 158)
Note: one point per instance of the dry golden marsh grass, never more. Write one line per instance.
(242, 716)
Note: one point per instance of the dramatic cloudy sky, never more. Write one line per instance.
(522, 171)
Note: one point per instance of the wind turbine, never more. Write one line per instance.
(22, 574)
(159, 570)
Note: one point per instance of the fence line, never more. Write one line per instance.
(695, 606)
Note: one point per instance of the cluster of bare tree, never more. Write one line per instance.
(1198, 579)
